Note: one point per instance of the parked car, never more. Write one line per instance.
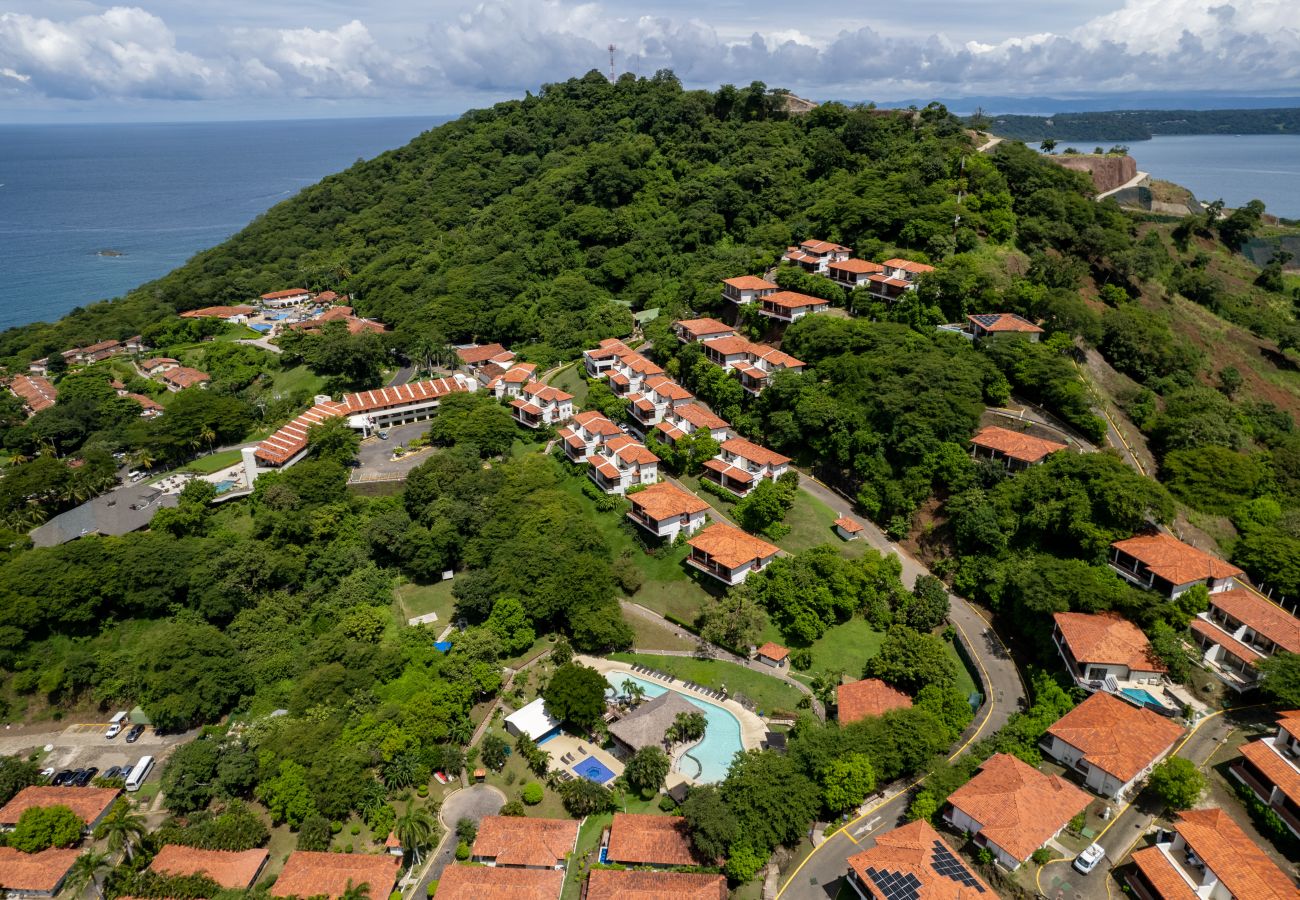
(115, 725)
(113, 772)
(88, 777)
(62, 778)
(75, 780)
(47, 773)
(134, 734)
(383, 434)
(1086, 861)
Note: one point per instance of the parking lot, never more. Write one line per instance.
(375, 457)
(83, 745)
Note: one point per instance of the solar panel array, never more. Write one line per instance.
(987, 319)
(895, 885)
(949, 866)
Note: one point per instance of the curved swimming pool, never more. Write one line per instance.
(711, 756)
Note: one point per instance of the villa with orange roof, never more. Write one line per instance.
(585, 433)
(629, 373)
(1240, 628)
(848, 529)
(858, 700)
(772, 654)
(1111, 743)
(788, 306)
(475, 356)
(1101, 646)
(815, 255)
(1013, 809)
(39, 874)
(1207, 857)
(1015, 449)
(310, 873)
(35, 392)
(525, 843)
(895, 278)
(510, 383)
(233, 870)
(754, 363)
(746, 289)
(1161, 562)
(290, 297)
(482, 882)
(914, 855)
(90, 804)
(634, 884)
(740, 465)
(853, 273)
(599, 360)
(639, 839)
(178, 378)
(665, 510)
(229, 313)
(983, 326)
(1271, 769)
(541, 404)
(689, 331)
(687, 419)
(729, 554)
(620, 463)
(658, 396)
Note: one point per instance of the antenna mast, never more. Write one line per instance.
(612, 77)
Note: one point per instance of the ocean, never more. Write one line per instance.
(156, 194)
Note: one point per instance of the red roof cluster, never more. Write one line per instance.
(36, 392)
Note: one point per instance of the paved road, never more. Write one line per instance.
(1132, 182)
(1114, 436)
(260, 343)
(402, 375)
(1028, 412)
(473, 802)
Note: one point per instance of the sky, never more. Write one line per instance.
(182, 60)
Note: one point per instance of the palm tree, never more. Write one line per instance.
(144, 459)
(635, 693)
(123, 828)
(85, 873)
(355, 891)
(207, 435)
(415, 829)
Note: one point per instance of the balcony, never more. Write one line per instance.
(705, 564)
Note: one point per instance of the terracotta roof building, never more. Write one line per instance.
(729, 554)
(989, 325)
(1013, 809)
(1015, 449)
(869, 697)
(495, 883)
(228, 868)
(916, 856)
(687, 418)
(585, 433)
(218, 312)
(620, 463)
(288, 297)
(788, 306)
(36, 393)
(1097, 646)
(525, 843)
(614, 884)
(540, 404)
(89, 803)
(1208, 857)
(1271, 769)
(852, 273)
(755, 364)
(1240, 628)
(477, 355)
(772, 654)
(646, 840)
(689, 331)
(1111, 743)
(308, 873)
(848, 529)
(178, 378)
(664, 510)
(746, 289)
(1163, 563)
(816, 255)
(740, 465)
(35, 874)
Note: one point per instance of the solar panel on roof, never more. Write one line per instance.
(949, 866)
(896, 885)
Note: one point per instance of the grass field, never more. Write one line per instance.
(213, 462)
(571, 379)
(418, 599)
(767, 692)
(299, 378)
(653, 636)
(845, 648)
(812, 523)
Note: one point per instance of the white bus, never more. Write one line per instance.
(139, 772)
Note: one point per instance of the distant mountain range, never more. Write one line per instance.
(992, 105)
(1142, 124)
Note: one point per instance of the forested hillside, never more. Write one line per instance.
(1142, 124)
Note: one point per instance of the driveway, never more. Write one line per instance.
(473, 802)
(375, 456)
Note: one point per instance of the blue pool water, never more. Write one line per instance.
(442, 646)
(593, 769)
(1141, 696)
(226, 485)
(710, 757)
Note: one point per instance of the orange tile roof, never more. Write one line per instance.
(639, 364)
(545, 393)
(699, 327)
(700, 416)
(35, 391)
(630, 450)
(1023, 447)
(1290, 722)
(1018, 807)
(1174, 561)
(774, 357)
(147, 404)
(730, 346)
(668, 389)
(615, 884)
(1107, 638)
(480, 353)
(155, 361)
(309, 873)
(520, 373)
(218, 312)
(493, 883)
(916, 268)
(597, 423)
(1161, 874)
(1214, 633)
(1233, 857)
(731, 547)
(184, 376)
(869, 697)
(849, 525)
(735, 473)
(773, 651)
(856, 266)
(670, 431)
(518, 841)
(1261, 614)
(877, 278)
(1004, 322)
(792, 300)
(820, 246)
(918, 851)
(34, 872)
(89, 803)
(280, 295)
(664, 500)
(754, 453)
(1117, 737)
(227, 868)
(750, 283)
(646, 840)
(1282, 773)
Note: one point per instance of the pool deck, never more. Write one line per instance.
(579, 748)
(752, 728)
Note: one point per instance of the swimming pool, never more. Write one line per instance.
(1141, 696)
(710, 757)
(225, 485)
(592, 769)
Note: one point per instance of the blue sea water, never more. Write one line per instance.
(157, 194)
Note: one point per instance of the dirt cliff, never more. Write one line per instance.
(1107, 172)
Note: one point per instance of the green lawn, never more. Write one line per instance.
(213, 462)
(966, 682)
(572, 380)
(845, 647)
(653, 636)
(299, 378)
(812, 523)
(767, 692)
(418, 599)
(511, 780)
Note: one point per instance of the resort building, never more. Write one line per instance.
(620, 463)
(1013, 809)
(97, 352)
(729, 554)
(35, 392)
(524, 843)
(816, 256)
(629, 373)
(772, 654)
(1240, 628)
(156, 365)
(355, 324)
(120, 511)
(38, 874)
(540, 404)
(1271, 769)
(482, 882)
(178, 378)
(689, 331)
(1162, 563)
(788, 306)
(149, 407)
(754, 363)
(289, 297)
(859, 700)
(475, 356)
(853, 273)
(366, 412)
(687, 419)
(1104, 651)
(233, 870)
(310, 873)
(1110, 743)
(1014, 449)
(509, 384)
(234, 314)
(740, 465)
(917, 861)
(625, 884)
(747, 289)
(659, 396)
(646, 725)
(585, 433)
(661, 842)
(90, 804)
(848, 529)
(983, 326)
(600, 360)
(1207, 857)
(665, 510)
(905, 269)
(532, 720)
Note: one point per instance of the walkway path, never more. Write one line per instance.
(988, 145)
(1132, 182)
(261, 343)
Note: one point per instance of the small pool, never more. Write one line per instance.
(592, 769)
(442, 646)
(604, 854)
(225, 485)
(1141, 696)
(706, 762)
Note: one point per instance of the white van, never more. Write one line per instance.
(115, 725)
(139, 772)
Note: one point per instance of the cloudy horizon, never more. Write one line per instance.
(75, 60)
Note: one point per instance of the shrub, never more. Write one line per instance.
(462, 851)
(532, 793)
(513, 808)
(355, 829)
(1042, 856)
(336, 826)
